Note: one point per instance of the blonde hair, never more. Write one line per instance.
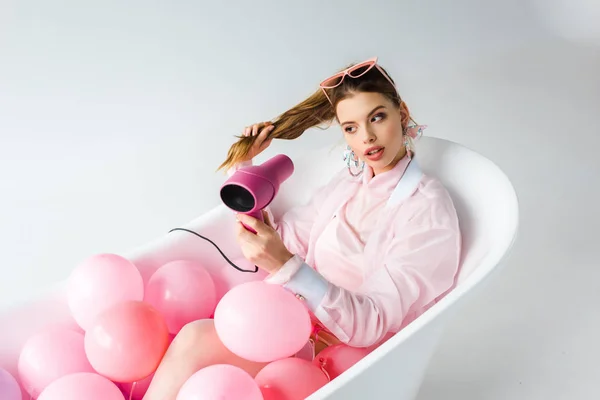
(316, 110)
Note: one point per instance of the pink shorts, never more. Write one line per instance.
(319, 340)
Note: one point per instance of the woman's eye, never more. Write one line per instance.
(379, 117)
(350, 129)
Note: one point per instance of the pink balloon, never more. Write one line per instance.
(50, 355)
(220, 381)
(141, 387)
(290, 379)
(9, 388)
(182, 291)
(82, 386)
(127, 341)
(100, 282)
(338, 358)
(229, 277)
(262, 322)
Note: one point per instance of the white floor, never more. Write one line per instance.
(112, 121)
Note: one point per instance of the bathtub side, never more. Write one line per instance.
(390, 372)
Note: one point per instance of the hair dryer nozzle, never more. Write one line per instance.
(251, 189)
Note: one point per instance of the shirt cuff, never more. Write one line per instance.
(308, 284)
(285, 273)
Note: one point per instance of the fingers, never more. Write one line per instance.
(247, 131)
(252, 222)
(242, 233)
(262, 137)
(265, 131)
(267, 219)
(253, 130)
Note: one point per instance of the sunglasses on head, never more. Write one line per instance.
(356, 71)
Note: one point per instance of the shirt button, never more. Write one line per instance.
(300, 297)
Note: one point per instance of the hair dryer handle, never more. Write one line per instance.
(256, 214)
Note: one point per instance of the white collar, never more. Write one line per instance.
(407, 184)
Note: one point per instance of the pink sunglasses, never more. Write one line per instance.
(356, 71)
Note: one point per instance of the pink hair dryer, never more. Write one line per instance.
(250, 189)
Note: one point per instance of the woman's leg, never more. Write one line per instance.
(195, 347)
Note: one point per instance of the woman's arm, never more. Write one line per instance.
(421, 265)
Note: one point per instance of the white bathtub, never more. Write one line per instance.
(488, 211)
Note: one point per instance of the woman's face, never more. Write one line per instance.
(372, 127)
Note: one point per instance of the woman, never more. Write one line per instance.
(373, 249)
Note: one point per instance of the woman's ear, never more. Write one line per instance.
(399, 108)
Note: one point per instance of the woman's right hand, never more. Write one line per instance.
(261, 143)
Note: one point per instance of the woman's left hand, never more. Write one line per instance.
(265, 249)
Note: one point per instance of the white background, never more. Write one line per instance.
(114, 116)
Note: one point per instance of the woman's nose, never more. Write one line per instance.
(369, 137)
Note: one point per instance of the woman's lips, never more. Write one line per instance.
(377, 155)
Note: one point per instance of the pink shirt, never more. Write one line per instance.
(340, 250)
(367, 265)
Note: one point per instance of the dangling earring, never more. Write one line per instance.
(411, 133)
(352, 162)
(408, 146)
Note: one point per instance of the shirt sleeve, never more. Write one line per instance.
(420, 266)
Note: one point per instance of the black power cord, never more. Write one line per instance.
(217, 247)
